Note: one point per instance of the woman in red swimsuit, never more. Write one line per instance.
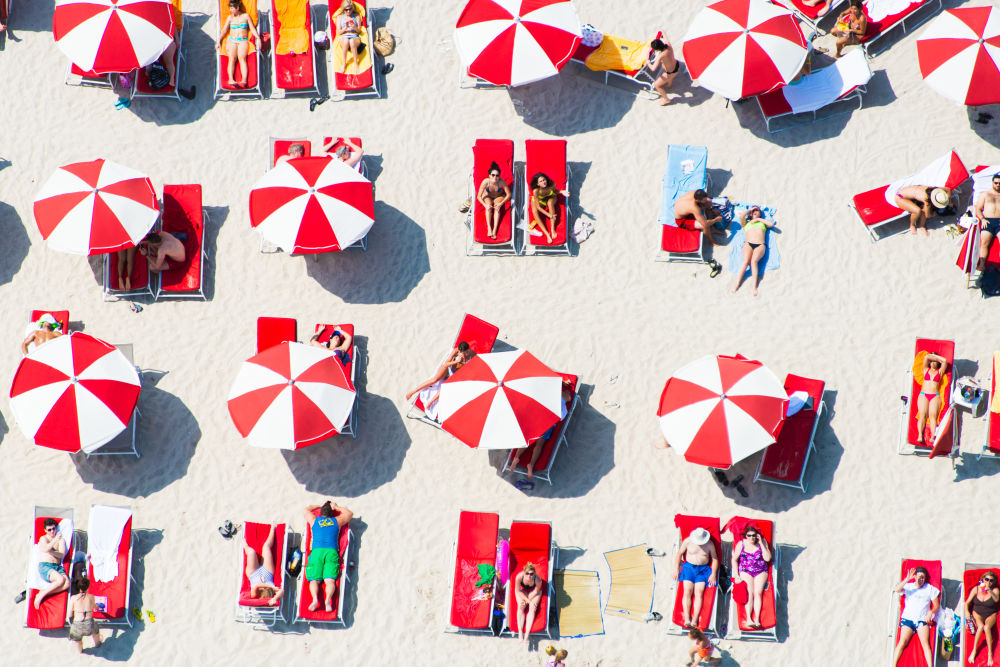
(928, 400)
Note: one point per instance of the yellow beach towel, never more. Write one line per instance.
(994, 394)
(293, 37)
(619, 54)
(631, 594)
(365, 57)
(578, 595)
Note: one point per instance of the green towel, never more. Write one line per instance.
(486, 574)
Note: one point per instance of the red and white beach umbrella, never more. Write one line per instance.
(501, 400)
(514, 42)
(74, 392)
(90, 208)
(959, 55)
(105, 36)
(290, 396)
(719, 410)
(740, 48)
(312, 205)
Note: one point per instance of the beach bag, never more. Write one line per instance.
(989, 282)
(384, 42)
(157, 75)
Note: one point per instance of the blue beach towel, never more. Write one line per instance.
(771, 259)
(687, 169)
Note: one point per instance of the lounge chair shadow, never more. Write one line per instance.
(567, 105)
(718, 179)
(216, 217)
(30, 17)
(567, 554)
(789, 552)
(4, 429)
(394, 264)
(198, 70)
(166, 439)
(15, 240)
(374, 165)
(989, 129)
(119, 643)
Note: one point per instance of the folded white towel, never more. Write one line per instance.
(934, 175)
(879, 9)
(104, 534)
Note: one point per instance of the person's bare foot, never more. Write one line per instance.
(665, 101)
(735, 287)
(755, 291)
(242, 83)
(823, 10)
(128, 284)
(913, 230)
(38, 601)
(314, 606)
(232, 83)
(531, 470)
(926, 233)
(329, 606)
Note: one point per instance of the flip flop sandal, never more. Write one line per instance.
(137, 613)
(188, 93)
(655, 552)
(388, 67)
(226, 529)
(152, 616)
(524, 484)
(652, 616)
(134, 307)
(741, 490)
(20, 597)
(465, 206)
(716, 268)
(720, 477)
(736, 480)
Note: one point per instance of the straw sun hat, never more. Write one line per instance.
(700, 536)
(940, 198)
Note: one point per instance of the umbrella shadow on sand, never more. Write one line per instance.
(566, 105)
(985, 122)
(166, 437)
(15, 242)
(394, 264)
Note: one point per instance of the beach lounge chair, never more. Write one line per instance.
(77, 76)
(484, 153)
(343, 79)
(60, 316)
(971, 573)
(480, 335)
(969, 257)
(687, 170)
(707, 620)
(304, 598)
(821, 94)
(471, 610)
(548, 156)
(277, 147)
(142, 279)
(913, 655)
(273, 331)
(183, 214)
(944, 434)
(518, 459)
(617, 62)
(785, 461)
(991, 438)
(127, 441)
(141, 87)
(223, 89)
(53, 612)
(257, 610)
(738, 627)
(810, 15)
(5, 9)
(293, 54)
(881, 26)
(362, 167)
(325, 331)
(874, 209)
(109, 563)
(531, 542)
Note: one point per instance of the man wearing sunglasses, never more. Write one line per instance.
(42, 331)
(51, 551)
(987, 211)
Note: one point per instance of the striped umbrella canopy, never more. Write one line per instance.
(500, 400)
(741, 48)
(312, 205)
(103, 36)
(515, 42)
(959, 55)
(91, 208)
(74, 393)
(719, 410)
(290, 396)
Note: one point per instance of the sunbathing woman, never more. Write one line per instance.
(982, 606)
(544, 205)
(755, 226)
(348, 24)
(493, 194)
(261, 574)
(536, 447)
(528, 591)
(851, 26)
(919, 609)
(751, 561)
(929, 400)
(431, 389)
(239, 26)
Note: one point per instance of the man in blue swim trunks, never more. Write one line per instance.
(323, 555)
(987, 212)
(51, 551)
(697, 568)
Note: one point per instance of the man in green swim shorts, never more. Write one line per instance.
(322, 554)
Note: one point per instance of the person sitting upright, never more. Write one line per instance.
(324, 551)
(922, 202)
(544, 205)
(431, 389)
(918, 612)
(294, 151)
(697, 568)
(81, 615)
(697, 205)
(929, 399)
(851, 26)
(528, 591)
(987, 212)
(158, 247)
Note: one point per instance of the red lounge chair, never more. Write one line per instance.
(707, 620)
(517, 459)
(991, 439)
(484, 153)
(273, 331)
(476, 545)
(687, 169)
(874, 211)
(968, 256)
(142, 279)
(260, 610)
(641, 80)
(944, 437)
(183, 213)
(738, 628)
(910, 18)
(116, 592)
(278, 147)
(77, 76)
(347, 83)
(293, 55)
(785, 461)
(340, 141)
(531, 542)
(52, 613)
(141, 87)
(60, 316)
(304, 599)
(970, 580)
(547, 156)
(480, 335)
(325, 331)
(223, 90)
(913, 654)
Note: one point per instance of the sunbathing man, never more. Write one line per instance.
(987, 212)
(44, 330)
(350, 153)
(697, 567)
(697, 204)
(920, 201)
(339, 343)
(51, 551)
(294, 151)
(918, 612)
(158, 247)
(324, 551)
(665, 62)
(430, 389)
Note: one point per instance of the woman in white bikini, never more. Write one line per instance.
(260, 572)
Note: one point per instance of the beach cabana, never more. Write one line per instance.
(959, 55)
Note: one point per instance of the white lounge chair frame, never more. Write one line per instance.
(560, 440)
(512, 247)
(103, 81)
(281, 93)
(351, 427)
(265, 616)
(802, 484)
(639, 84)
(527, 247)
(341, 585)
(550, 591)
(56, 513)
(986, 453)
(908, 24)
(375, 90)
(126, 621)
(733, 630)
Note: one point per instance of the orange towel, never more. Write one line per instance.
(294, 36)
(178, 16)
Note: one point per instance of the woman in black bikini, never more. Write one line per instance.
(493, 194)
(528, 591)
(664, 61)
(982, 606)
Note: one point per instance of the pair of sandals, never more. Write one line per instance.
(721, 478)
(228, 530)
(715, 267)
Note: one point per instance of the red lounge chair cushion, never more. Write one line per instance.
(768, 618)
(530, 542)
(293, 71)
(876, 28)
(273, 331)
(484, 153)
(913, 654)
(51, 615)
(182, 213)
(479, 334)
(784, 460)
(686, 524)
(679, 239)
(116, 590)
(874, 209)
(946, 349)
(140, 272)
(60, 316)
(254, 534)
(252, 65)
(305, 593)
(547, 156)
(281, 147)
(477, 543)
(142, 81)
(774, 104)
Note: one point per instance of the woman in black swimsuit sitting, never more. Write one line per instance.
(982, 606)
(493, 194)
(665, 62)
(528, 591)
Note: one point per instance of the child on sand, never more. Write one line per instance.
(701, 652)
(557, 657)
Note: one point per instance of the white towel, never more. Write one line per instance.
(104, 534)
(823, 86)
(35, 579)
(934, 175)
(982, 181)
(879, 9)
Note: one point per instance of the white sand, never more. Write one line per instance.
(840, 308)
